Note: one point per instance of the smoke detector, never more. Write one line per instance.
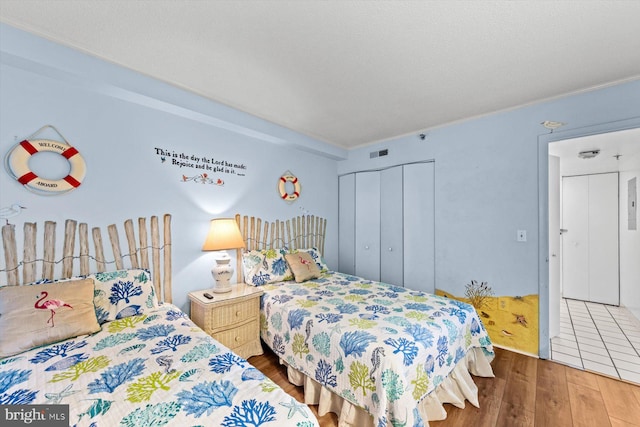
(549, 124)
(589, 154)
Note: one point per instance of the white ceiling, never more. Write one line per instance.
(354, 72)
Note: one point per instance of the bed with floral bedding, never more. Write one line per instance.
(155, 368)
(374, 354)
(102, 344)
(388, 355)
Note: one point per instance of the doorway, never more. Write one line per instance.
(549, 277)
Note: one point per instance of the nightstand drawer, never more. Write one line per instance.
(231, 314)
(232, 318)
(239, 336)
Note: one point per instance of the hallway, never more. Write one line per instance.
(599, 338)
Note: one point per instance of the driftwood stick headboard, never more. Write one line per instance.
(137, 252)
(302, 232)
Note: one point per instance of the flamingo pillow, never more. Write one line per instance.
(303, 266)
(32, 316)
(315, 254)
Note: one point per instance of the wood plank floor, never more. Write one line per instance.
(525, 392)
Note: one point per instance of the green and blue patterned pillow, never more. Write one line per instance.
(123, 293)
(265, 266)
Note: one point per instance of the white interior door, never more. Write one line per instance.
(590, 247)
(554, 246)
(575, 249)
(604, 282)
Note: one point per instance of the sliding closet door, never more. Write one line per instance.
(391, 225)
(367, 241)
(346, 224)
(419, 226)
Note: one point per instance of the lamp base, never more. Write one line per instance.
(221, 290)
(222, 273)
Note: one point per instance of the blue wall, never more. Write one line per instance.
(490, 181)
(487, 169)
(117, 118)
(487, 183)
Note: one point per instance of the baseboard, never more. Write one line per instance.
(516, 351)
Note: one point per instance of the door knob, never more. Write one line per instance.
(390, 249)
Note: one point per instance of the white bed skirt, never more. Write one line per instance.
(455, 389)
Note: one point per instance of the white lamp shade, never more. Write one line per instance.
(223, 234)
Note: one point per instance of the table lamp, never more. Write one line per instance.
(223, 234)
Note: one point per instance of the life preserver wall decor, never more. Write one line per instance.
(17, 165)
(282, 187)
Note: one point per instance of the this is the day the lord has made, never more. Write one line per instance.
(207, 164)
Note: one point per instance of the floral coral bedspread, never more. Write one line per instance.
(381, 347)
(153, 369)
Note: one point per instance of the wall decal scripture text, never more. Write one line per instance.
(210, 164)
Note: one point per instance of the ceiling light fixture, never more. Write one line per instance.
(589, 154)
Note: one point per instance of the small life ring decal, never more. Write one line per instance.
(17, 163)
(282, 187)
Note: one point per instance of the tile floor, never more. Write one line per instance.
(599, 338)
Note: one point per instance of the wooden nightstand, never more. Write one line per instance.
(233, 318)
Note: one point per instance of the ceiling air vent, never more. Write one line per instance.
(374, 154)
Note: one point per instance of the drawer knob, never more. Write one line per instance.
(237, 313)
(237, 339)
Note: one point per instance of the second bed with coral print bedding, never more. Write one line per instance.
(375, 354)
(396, 353)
